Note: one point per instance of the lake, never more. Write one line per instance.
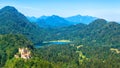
(56, 42)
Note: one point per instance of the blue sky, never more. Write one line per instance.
(107, 9)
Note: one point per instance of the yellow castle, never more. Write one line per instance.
(24, 53)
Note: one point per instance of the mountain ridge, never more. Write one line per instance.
(12, 21)
(17, 23)
(52, 21)
(81, 19)
(47, 21)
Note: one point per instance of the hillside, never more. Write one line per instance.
(99, 32)
(12, 21)
(9, 45)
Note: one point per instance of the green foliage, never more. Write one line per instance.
(98, 32)
(31, 63)
(61, 55)
(9, 45)
(67, 56)
(12, 21)
(97, 39)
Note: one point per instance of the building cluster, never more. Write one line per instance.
(23, 53)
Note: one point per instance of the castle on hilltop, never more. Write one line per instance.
(23, 53)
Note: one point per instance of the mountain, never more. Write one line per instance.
(52, 21)
(98, 32)
(32, 19)
(57, 21)
(101, 31)
(12, 21)
(110, 33)
(44, 17)
(81, 19)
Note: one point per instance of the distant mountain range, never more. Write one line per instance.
(99, 31)
(57, 21)
(81, 19)
(52, 21)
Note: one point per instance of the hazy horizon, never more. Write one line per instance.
(107, 9)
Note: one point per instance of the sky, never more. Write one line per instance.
(106, 9)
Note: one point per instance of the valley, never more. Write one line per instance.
(56, 42)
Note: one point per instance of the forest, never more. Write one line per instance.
(94, 45)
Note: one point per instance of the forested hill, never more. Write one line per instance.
(9, 45)
(99, 31)
(12, 21)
